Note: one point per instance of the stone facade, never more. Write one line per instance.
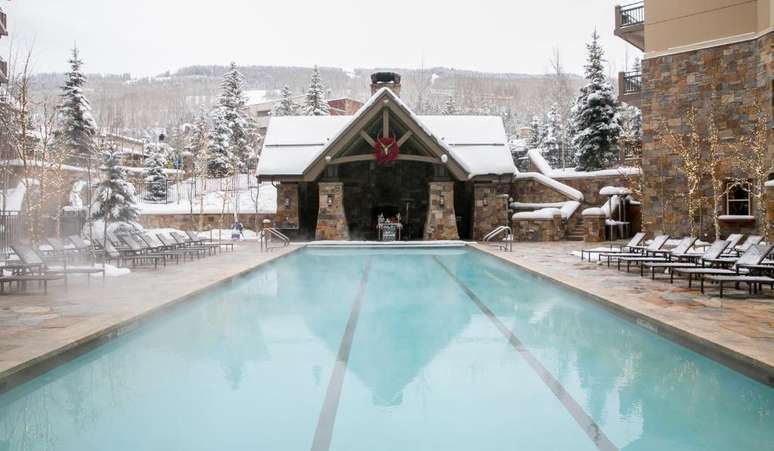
(590, 186)
(538, 229)
(490, 209)
(287, 207)
(331, 217)
(730, 80)
(441, 220)
(594, 228)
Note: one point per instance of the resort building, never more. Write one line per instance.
(710, 56)
(339, 175)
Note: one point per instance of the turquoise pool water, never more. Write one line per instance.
(411, 349)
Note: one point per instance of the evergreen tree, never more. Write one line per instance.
(631, 130)
(155, 178)
(286, 105)
(233, 111)
(197, 140)
(552, 142)
(316, 104)
(77, 129)
(219, 158)
(536, 133)
(450, 107)
(114, 195)
(595, 123)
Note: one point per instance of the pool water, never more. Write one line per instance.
(375, 349)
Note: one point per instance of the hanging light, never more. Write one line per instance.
(330, 200)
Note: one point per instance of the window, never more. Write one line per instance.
(738, 200)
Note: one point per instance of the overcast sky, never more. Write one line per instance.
(148, 37)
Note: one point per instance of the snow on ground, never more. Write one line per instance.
(219, 197)
(13, 199)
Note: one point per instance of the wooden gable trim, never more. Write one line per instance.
(383, 105)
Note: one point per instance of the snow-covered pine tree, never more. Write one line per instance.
(595, 122)
(219, 159)
(77, 129)
(552, 141)
(197, 140)
(286, 105)
(631, 130)
(155, 178)
(315, 103)
(233, 111)
(114, 195)
(536, 133)
(450, 107)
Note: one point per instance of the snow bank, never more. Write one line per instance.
(13, 199)
(614, 190)
(571, 173)
(568, 191)
(217, 192)
(607, 209)
(542, 214)
(567, 209)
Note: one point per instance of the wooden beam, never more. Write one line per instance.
(352, 159)
(385, 123)
(404, 138)
(367, 138)
(419, 158)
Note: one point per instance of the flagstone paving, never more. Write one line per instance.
(737, 329)
(35, 327)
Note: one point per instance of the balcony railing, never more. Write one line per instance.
(630, 24)
(632, 83)
(633, 14)
(3, 24)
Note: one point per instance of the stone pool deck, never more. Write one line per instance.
(40, 331)
(737, 330)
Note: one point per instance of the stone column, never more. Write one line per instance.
(287, 206)
(331, 218)
(441, 223)
(594, 225)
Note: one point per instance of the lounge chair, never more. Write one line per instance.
(215, 246)
(659, 255)
(196, 238)
(753, 282)
(122, 257)
(28, 256)
(753, 256)
(631, 246)
(183, 240)
(192, 251)
(688, 260)
(141, 249)
(656, 244)
(751, 240)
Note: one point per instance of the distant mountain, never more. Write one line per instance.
(122, 102)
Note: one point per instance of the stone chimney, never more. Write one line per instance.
(381, 80)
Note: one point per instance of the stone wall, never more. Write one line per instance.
(287, 207)
(331, 217)
(202, 222)
(730, 80)
(538, 229)
(590, 186)
(531, 191)
(441, 221)
(490, 209)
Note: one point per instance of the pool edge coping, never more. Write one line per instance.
(747, 365)
(27, 370)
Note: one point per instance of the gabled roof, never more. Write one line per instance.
(475, 145)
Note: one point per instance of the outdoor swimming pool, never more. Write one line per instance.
(389, 349)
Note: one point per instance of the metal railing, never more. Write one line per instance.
(266, 238)
(506, 244)
(631, 83)
(632, 14)
(11, 230)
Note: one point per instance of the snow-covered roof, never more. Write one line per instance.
(478, 143)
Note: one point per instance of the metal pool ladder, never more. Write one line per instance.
(506, 244)
(266, 237)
